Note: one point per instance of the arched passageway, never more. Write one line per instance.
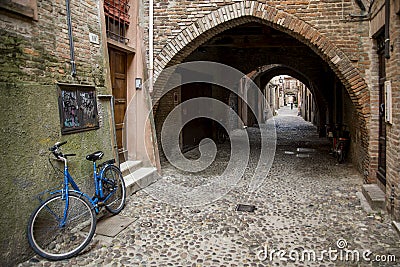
(264, 36)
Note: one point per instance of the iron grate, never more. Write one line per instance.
(245, 207)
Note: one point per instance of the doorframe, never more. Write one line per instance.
(381, 167)
(130, 54)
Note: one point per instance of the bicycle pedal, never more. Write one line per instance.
(101, 204)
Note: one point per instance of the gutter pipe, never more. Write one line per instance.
(151, 44)
(387, 35)
(71, 40)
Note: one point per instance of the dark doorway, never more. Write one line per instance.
(381, 173)
(195, 130)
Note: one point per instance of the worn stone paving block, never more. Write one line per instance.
(304, 149)
(303, 155)
(289, 153)
(112, 226)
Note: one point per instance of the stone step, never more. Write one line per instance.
(396, 226)
(140, 179)
(130, 166)
(374, 195)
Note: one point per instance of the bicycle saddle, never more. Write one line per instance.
(95, 156)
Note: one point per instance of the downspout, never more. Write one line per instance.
(151, 44)
(71, 40)
(361, 5)
(387, 36)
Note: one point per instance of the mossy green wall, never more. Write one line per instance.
(30, 124)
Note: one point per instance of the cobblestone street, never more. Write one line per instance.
(307, 203)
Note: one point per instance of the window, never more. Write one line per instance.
(78, 108)
(27, 8)
(117, 19)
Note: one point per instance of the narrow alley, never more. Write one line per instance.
(308, 207)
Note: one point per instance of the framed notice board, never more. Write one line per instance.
(77, 105)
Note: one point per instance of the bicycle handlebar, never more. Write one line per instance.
(57, 145)
(57, 153)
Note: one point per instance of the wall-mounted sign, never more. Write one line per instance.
(94, 38)
(78, 108)
(388, 102)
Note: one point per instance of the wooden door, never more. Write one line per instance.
(118, 66)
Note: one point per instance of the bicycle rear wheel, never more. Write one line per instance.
(113, 183)
(50, 239)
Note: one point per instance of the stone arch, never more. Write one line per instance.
(230, 16)
(278, 69)
(269, 71)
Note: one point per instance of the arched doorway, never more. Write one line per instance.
(254, 37)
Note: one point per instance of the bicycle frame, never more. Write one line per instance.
(98, 182)
(68, 180)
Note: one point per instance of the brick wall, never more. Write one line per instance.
(329, 18)
(393, 130)
(35, 57)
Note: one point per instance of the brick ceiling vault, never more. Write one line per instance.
(230, 16)
(239, 13)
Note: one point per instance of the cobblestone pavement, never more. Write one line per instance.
(307, 203)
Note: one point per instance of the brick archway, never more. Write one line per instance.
(269, 71)
(230, 16)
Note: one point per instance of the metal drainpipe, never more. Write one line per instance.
(71, 40)
(114, 132)
(151, 44)
(387, 36)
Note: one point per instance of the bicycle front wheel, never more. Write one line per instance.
(51, 238)
(113, 189)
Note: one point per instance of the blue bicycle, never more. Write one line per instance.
(64, 224)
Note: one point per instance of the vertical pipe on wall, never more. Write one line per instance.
(71, 40)
(151, 44)
(387, 36)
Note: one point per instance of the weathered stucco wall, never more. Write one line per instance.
(34, 57)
